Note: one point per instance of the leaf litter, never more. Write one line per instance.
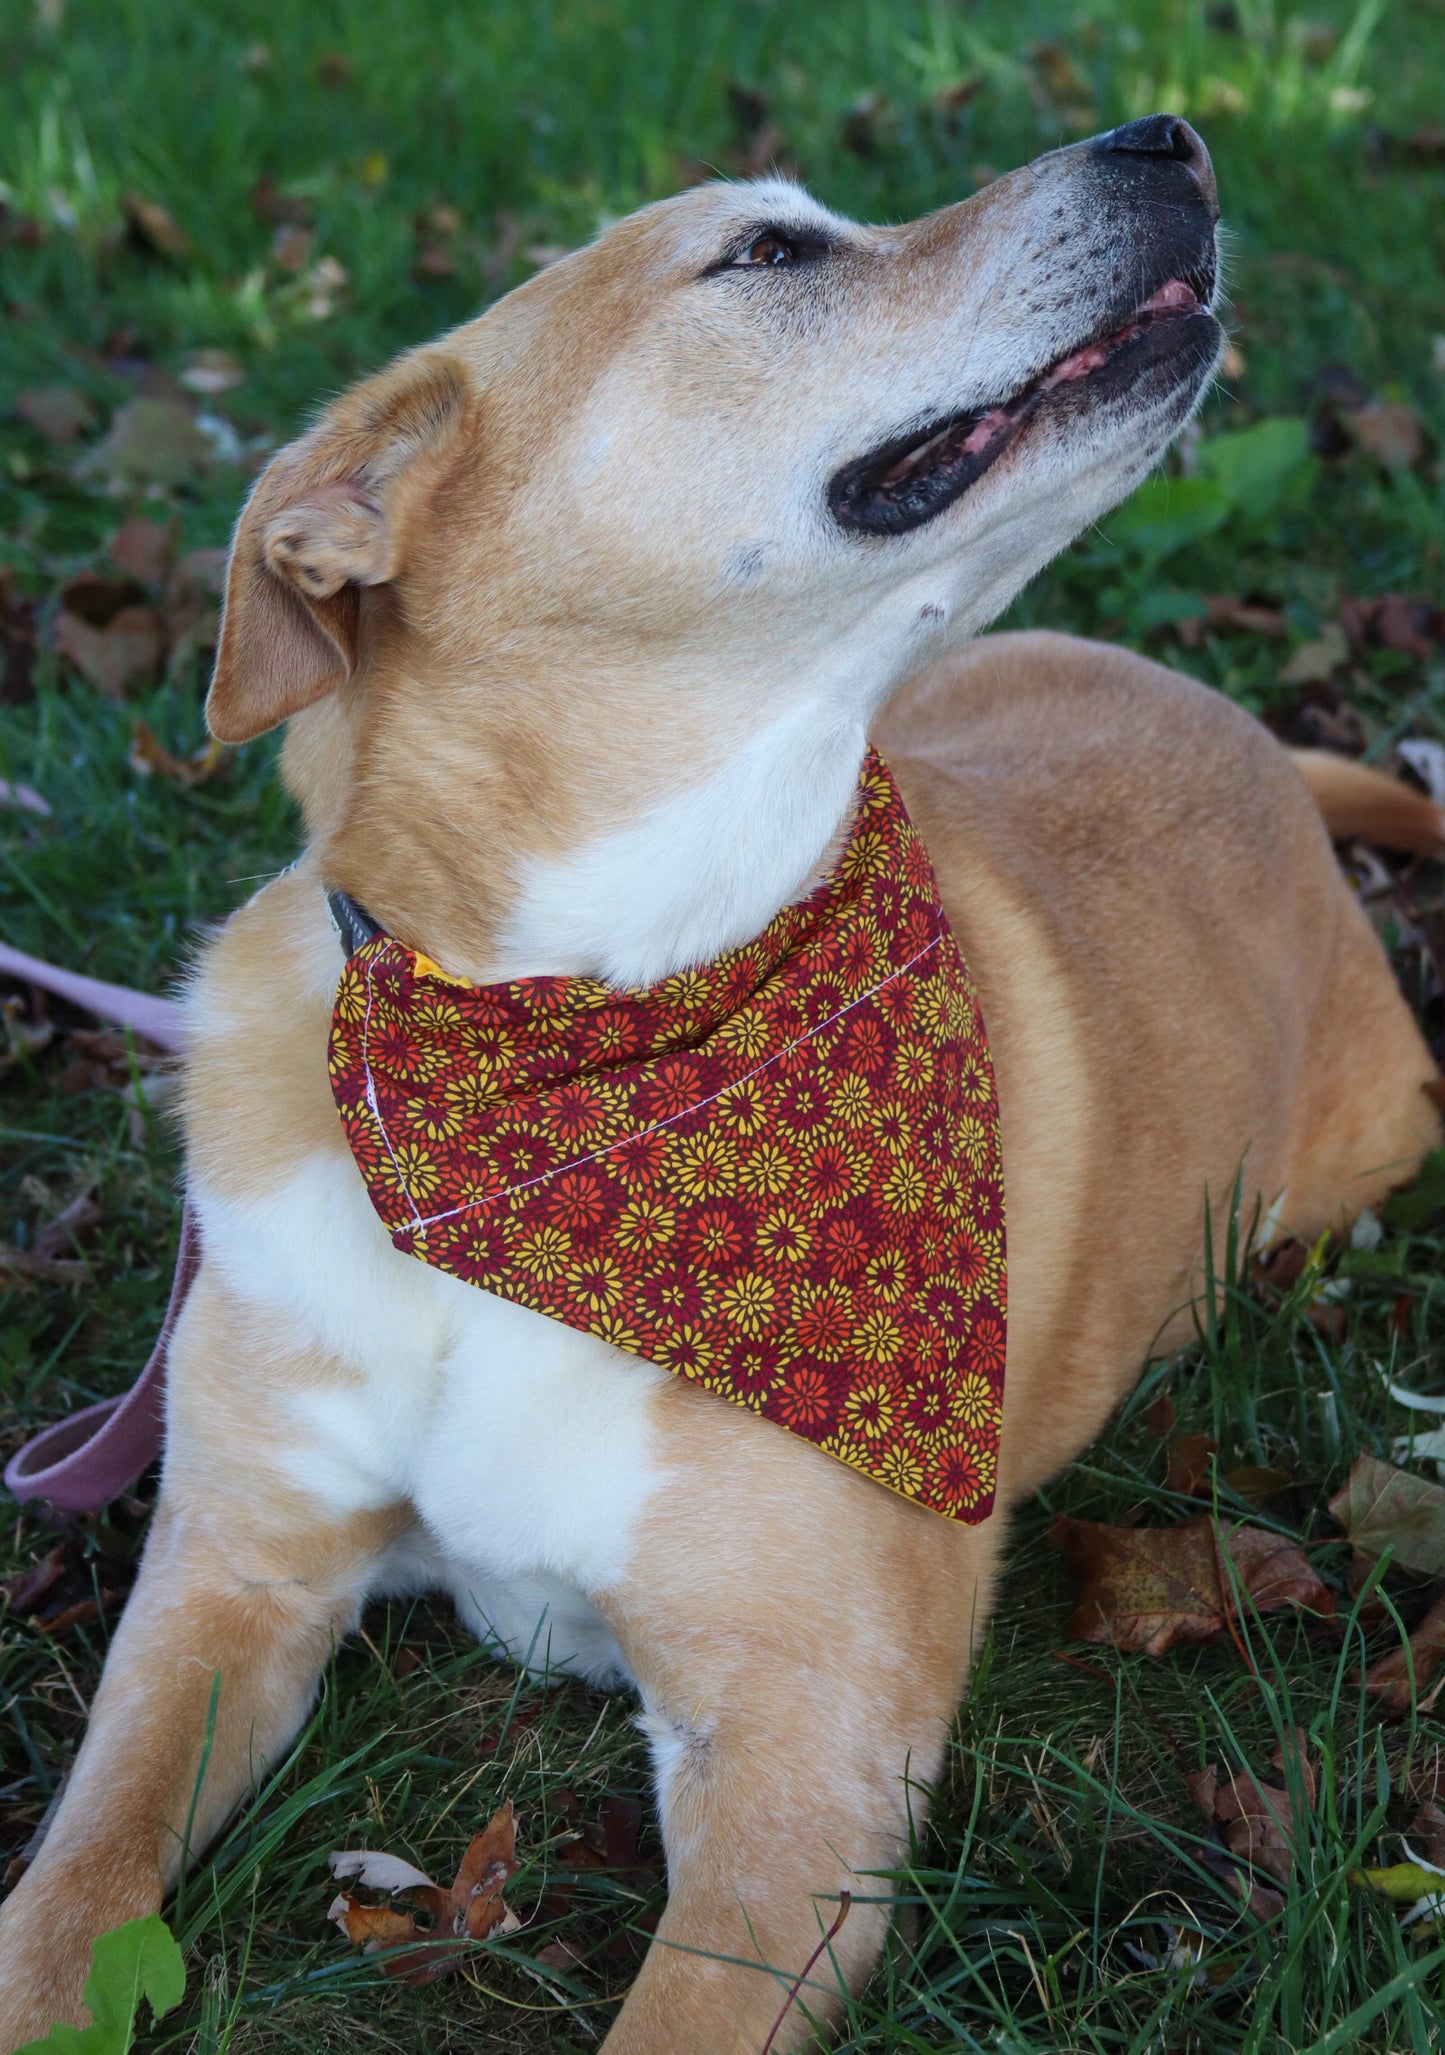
(432, 1932)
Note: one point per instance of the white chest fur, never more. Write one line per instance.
(524, 1446)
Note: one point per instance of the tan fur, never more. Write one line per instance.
(1358, 801)
(541, 637)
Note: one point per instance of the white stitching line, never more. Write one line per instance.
(495, 1198)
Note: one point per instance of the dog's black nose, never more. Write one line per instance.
(1166, 135)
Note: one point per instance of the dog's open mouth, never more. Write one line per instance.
(911, 478)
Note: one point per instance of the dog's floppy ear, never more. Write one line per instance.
(321, 523)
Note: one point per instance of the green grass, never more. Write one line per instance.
(1065, 1858)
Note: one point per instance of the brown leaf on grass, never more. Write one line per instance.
(149, 442)
(507, 234)
(1150, 1588)
(101, 1059)
(1256, 1482)
(116, 658)
(1390, 432)
(149, 756)
(65, 1590)
(1161, 1418)
(17, 643)
(60, 1235)
(270, 204)
(436, 231)
(1229, 615)
(1255, 1823)
(1382, 1508)
(211, 372)
(1426, 1833)
(334, 70)
(153, 227)
(468, 1910)
(291, 246)
(1394, 620)
(1390, 1680)
(58, 412)
(1316, 661)
(1189, 1464)
(143, 549)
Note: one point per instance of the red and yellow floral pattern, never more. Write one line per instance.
(777, 1175)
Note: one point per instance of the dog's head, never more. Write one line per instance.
(737, 451)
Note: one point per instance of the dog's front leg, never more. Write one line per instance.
(244, 1590)
(801, 1639)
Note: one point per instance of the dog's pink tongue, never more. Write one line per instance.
(1175, 294)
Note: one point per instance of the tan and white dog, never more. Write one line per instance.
(581, 618)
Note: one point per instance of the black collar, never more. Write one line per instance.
(352, 923)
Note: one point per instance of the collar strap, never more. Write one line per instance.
(352, 923)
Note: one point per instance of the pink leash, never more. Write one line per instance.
(82, 1462)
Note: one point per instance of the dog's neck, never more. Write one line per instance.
(700, 873)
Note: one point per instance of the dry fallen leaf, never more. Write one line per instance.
(1381, 1507)
(1388, 431)
(143, 549)
(58, 412)
(1190, 1465)
(1390, 1680)
(1315, 662)
(124, 653)
(17, 643)
(149, 756)
(210, 372)
(149, 442)
(1393, 620)
(1255, 1823)
(470, 1909)
(1150, 1588)
(65, 1590)
(154, 227)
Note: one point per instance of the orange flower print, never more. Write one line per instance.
(745, 1108)
(418, 1172)
(973, 1402)
(577, 1110)
(887, 1275)
(435, 1119)
(776, 1174)
(901, 1470)
(717, 1236)
(914, 1067)
(808, 1400)
(847, 1243)
(868, 1410)
(825, 1323)
(878, 1338)
(852, 1100)
(546, 1253)
(745, 1035)
(596, 1283)
(672, 1090)
(646, 1224)
(829, 1176)
(705, 1168)
(988, 1344)
(639, 1160)
(749, 1302)
(905, 1186)
(685, 1349)
(578, 1200)
(783, 1238)
(956, 1466)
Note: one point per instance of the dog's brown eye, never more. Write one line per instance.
(770, 249)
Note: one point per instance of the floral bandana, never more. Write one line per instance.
(778, 1175)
